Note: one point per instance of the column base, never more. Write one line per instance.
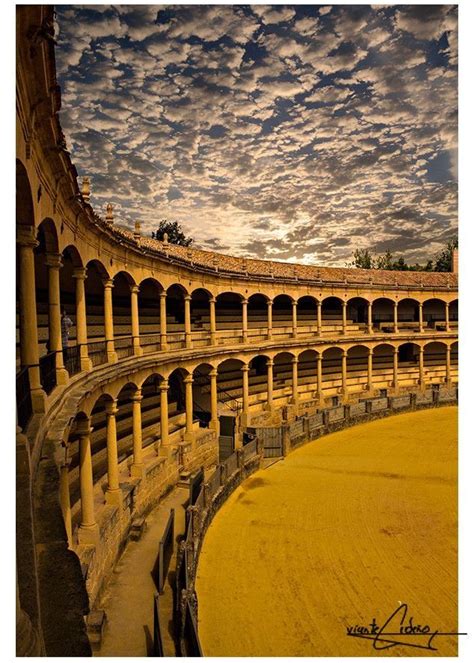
(62, 376)
(112, 357)
(88, 534)
(38, 401)
(138, 351)
(86, 364)
(244, 339)
(113, 497)
(189, 344)
(189, 437)
(212, 339)
(137, 470)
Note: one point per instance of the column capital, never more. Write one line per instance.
(134, 289)
(245, 368)
(422, 349)
(108, 283)
(294, 302)
(212, 300)
(137, 396)
(213, 373)
(26, 236)
(371, 351)
(244, 300)
(54, 260)
(187, 298)
(80, 273)
(269, 302)
(319, 302)
(344, 303)
(344, 352)
(294, 360)
(111, 407)
(84, 428)
(164, 385)
(163, 294)
(270, 362)
(188, 379)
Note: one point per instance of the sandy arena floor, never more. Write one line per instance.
(341, 531)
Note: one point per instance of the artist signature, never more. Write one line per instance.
(395, 631)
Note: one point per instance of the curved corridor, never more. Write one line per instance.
(341, 531)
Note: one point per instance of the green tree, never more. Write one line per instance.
(362, 259)
(444, 259)
(385, 261)
(174, 232)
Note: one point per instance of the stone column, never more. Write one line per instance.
(113, 494)
(270, 384)
(245, 394)
(344, 372)
(244, 320)
(79, 275)
(65, 499)
(395, 368)
(422, 367)
(319, 361)
(369, 369)
(344, 317)
(28, 321)
(319, 317)
(420, 314)
(187, 321)
(448, 327)
(294, 305)
(448, 364)
(395, 317)
(212, 317)
(163, 340)
(88, 530)
(214, 417)
(109, 320)
(134, 290)
(188, 381)
(269, 319)
(54, 263)
(137, 467)
(370, 327)
(294, 382)
(164, 412)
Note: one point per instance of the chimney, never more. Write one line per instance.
(109, 215)
(86, 189)
(165, 238)
(455, 262)
(137, 232)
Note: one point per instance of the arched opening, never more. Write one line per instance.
(382, 366)
(283, 373)
(331, 315)
(357, 368)
(258, 380)
(149, 314)
(332, 373)
(408, 313)
(435, 362)
(72, 459)
(307, 370)
(408, 364)
(282, 313)
(175, 312)
(383, 314)
(94, 292)
(229, 313)
(453, 311)
(434, 313)
(307, 313)
(454, 360)
(202, 394)
(151, 411)
(71, 261)
(229, 397)
(257, 315)
(122, 314)
(357, 313)
(200, 316)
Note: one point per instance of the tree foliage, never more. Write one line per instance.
(174, 233)
(442, 262)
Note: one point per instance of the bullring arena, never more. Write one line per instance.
(182, 359)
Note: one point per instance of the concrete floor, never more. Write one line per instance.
(128, 599)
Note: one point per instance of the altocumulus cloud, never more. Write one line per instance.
(283, 132)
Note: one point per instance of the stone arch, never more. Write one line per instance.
(306, 311)
(408, 311)
(357, 310)
(434, 358)
(408, 353)
(307, 366)
(25, 209)
(331, 313)
(382, 311)
(434, 311)
(46, 249)
(94, 294)
(122, 309)
(228, 311)
(149, 313)
(175, 294)
(200, 313)
(282, 311)
(453, 310)
(176, 392)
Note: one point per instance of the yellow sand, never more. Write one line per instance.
(336, 534)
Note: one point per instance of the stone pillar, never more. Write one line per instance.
(270, 384)
(344, 373)
(448, 365)
(79, 275)
(109, 320)
(344, 317)
(422, 367)
(269, 319)
(65, 500)
(244, 320)
(164, 412)
(448, 327)
(88, 530)
(28, 321)
(134, 290)
(370, 327)
(294, 305)
(137, 467)
(214, 417)
(395, 368)
(163, 340)
(395, 317)
(187, 320)
(420, 314)
(54, 263)
(294, 382)
(245, 394)
(188, 381)
(212, 317)
(319, 317)
(369, 369)
(319, 361)
(113, 493)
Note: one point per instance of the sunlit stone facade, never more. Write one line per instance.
(169, 346)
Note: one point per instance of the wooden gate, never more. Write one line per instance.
(272, 439)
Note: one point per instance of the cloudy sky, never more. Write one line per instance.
(288, 132)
